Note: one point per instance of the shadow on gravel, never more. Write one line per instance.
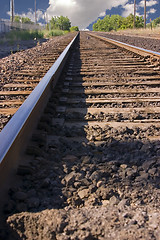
(117, 168)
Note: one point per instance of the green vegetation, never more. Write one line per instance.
(19, 19)
(59, 26)
(61, 23)
(16, 35)
(74, 29)
(116, 22)
(156, 22)
(54, 33)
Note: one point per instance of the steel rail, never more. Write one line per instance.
(137, 50)
(15, 135)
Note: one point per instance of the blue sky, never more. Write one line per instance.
(80, 12)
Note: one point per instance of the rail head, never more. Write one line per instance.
(13, 136)
(137, 50)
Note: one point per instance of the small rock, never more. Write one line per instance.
(113, 200)
(83, 193)
(76, 201)
(95, 176)
(158, 152)
(92, 188)
(77, 184)
(69, 178)
(124, 166)
(147, 164)
(147, 145)
(152, 171)
(105, 202)
(85, 159)
(70, 158)
(85, 182)
(139, 217)
(99, 184)
(157, 146)
(79, 176)
(103, 193)
(123, 203)
(144, 175)
(65, 168)
(154, 220)
(98, 138)
(130, 173)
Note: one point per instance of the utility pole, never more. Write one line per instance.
(134, 19)
(35, 14)
(12, 10)
(144, 13)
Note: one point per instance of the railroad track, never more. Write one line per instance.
(94, 159)
(19, 81)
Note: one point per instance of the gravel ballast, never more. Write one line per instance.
(143, 42)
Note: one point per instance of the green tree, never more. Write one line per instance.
(156, 22)
(62, 23)
(26, 20)
(127, 22)
(108, 23)
(139, 23)
(116, 22)
(74, 29)
(53, 23)
(19, 19)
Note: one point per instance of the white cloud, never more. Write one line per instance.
(31, 14)
(81, 12)
(128, 9)
(149, 3)
(102, 14)
(152, 11)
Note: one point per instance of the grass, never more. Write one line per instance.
(54, 33)
(148, 32)
(17, 35)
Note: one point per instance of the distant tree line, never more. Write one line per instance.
(117, 22)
